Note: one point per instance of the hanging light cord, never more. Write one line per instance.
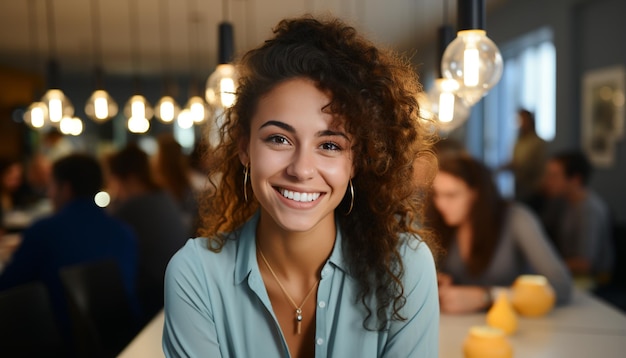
(133, 12)
(225, 10)
(192, 40)
(52, 45)
(33, 33)
(164, 42)
(95, 32)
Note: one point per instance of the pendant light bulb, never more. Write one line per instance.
(71, 126)
(475, 62)
(138, 111)
(58, 105)
(448, 109)
(220, 87)
(198, 109)
(101, 107)
(167, 109)
(185, 119)
(35, 115)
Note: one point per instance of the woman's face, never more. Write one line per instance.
(12, 178)
(300, 163)
(453, 198)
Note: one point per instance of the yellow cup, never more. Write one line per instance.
(532, 295)
(486, 342)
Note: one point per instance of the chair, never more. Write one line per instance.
(28, 327)
(102, 319)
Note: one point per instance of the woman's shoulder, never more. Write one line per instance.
(417, 257)
(195, 256)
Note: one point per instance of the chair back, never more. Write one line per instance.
(102, 318)
(28, 327)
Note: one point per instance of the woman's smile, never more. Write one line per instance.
(298, 196)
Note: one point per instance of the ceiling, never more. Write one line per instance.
(180, 36)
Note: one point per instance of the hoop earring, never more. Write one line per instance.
(246, 171)
(351, 198)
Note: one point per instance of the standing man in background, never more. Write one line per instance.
(528, 160)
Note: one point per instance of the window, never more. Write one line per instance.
(528, 81)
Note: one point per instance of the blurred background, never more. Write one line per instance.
(157, 47)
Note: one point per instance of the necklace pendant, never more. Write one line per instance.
(298, 321)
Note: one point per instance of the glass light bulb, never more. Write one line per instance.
(138, 109)
(76, 126)
(185, 119)
(448, 109)
(227, 96)
(198, 108)
(138, 124)
(475, 62)
(221, 87)
(56, 109)
(100, 106)
(167, 109)
(446, 106)
(471, 63)
(65, 125)
(137, 106)
(35, 115)
(58, 105)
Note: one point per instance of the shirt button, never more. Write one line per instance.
(322, 304)
(319, 341)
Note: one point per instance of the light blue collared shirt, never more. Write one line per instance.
(216, 305)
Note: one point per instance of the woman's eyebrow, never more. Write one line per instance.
(279, 124)
(328, 132)
(290, 129)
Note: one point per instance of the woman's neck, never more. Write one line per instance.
(295, 255)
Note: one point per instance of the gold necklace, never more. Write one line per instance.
(296, 307)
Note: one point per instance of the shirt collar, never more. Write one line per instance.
(246, 262)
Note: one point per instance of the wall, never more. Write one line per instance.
(587, 35)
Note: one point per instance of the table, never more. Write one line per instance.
(586, 328)
(148, 341)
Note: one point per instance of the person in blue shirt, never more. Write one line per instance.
(79, 231)
(308, 243)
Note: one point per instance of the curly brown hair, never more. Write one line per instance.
(374, 92)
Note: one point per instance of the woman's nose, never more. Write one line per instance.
(302, 165)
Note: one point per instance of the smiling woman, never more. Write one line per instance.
(309, 246)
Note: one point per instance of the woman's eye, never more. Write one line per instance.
(277, 139)
(331, 146)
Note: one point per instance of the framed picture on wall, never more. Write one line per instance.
(603, 114)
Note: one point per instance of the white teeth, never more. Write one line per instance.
(301, 197)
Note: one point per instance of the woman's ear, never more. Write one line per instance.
(243, 151)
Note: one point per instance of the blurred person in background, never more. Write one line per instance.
(55, 145)
(173, 174)
(153, 215)
(583, 231)
(199, 166)
(528, 160)
(79, 231)
(11, 183)
(488, 241)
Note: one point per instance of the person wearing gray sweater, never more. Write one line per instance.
(488, 241)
